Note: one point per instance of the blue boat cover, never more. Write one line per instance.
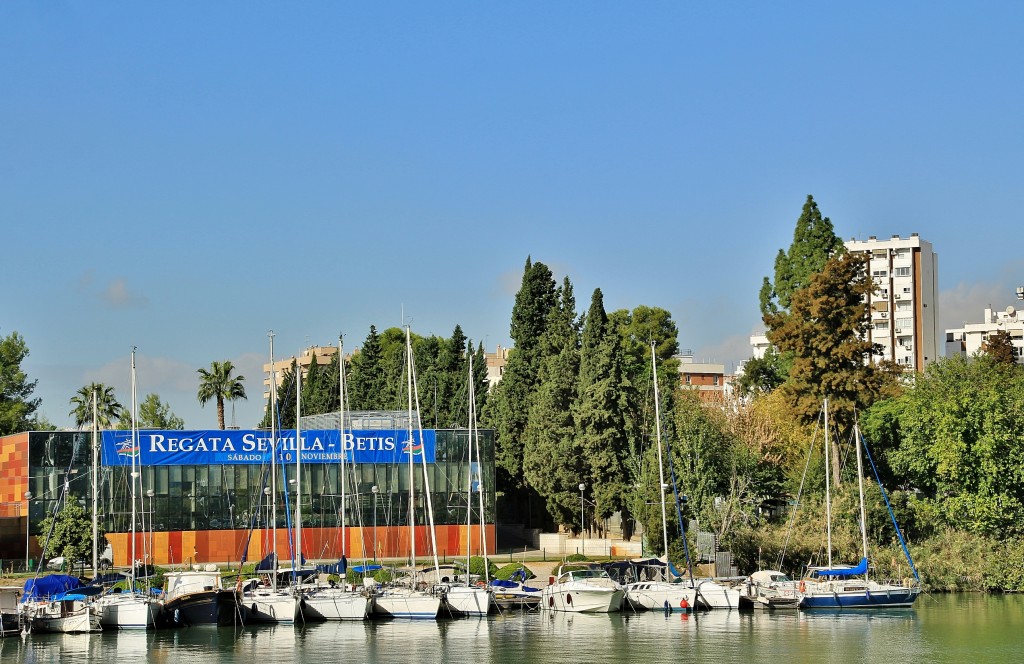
(267, 564)
(339, 567)
(363, 569)
(49, 585)
(861, 568)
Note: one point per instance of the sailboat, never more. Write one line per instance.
(462, 598)
(409, 601)
(134, 609)
(339, 602)
(268, 603)
(656, 591)
(849, 587)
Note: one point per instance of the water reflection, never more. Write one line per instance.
(941, 629)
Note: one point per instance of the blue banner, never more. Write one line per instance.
(213, 446)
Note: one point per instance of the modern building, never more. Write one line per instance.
(707, 378)
(206, 496)
(969, 339)
(905, 305)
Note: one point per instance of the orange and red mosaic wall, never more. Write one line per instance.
(227, 546)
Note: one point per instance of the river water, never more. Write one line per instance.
(970, 629)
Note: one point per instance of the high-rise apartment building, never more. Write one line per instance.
(904, 306)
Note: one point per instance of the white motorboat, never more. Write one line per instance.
(59, 603)
(582, 588)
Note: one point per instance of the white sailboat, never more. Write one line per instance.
(135, 608)
(339, 602)
(463, 598)
(409, 601)
(657, 592)
(268, 603)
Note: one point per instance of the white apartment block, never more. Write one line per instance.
(969, 339)
(905, 305)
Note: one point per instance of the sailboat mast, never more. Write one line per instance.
(860, 486)
(298, 472)
(426, 477)
(409, 444)
(273, 461)
(341, 433)
(469, 473)
(475, 433)
(95, 490)
(828, 489)
(661, 466)
(135, 472)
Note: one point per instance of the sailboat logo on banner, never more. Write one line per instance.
(127, 448)
(412, 447)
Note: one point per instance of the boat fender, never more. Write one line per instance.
(683, 604)
(551, 601)
(551, 580)
(254, 607)
(177, 616)
(803, 586)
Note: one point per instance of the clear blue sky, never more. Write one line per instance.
(183, 177)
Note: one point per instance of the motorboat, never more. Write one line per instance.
(582, 588)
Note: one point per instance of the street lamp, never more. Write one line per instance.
(152, 515)
(28, 516)
(582, 520)
(374, 490)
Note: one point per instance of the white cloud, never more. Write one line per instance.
(967, 303)
(119, 296)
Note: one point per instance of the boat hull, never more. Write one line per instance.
(659, 596)
(128, 611)
(64, 617)
(467, 601)
(578, 598)
(208, 607)
(406, 604)
(335, 604)
(270, 607)
(874, 596)
(717, 596)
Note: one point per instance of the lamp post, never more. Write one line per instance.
(152, 516)
(28, 516)
(582, 520)
(374, 490)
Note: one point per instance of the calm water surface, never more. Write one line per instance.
(942, 628)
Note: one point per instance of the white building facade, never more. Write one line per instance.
(905, 305)
(968, 339)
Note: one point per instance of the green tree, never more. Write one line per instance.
(825, 334)
(509, 404)
(999, 347)
(219, 385)
(155, 414)
(109, 411)
(958, 443)
(17, 407)
(764, 374)
(814, 243)
(553, 463)
(366, 385)
(599, 417)
(71, 535)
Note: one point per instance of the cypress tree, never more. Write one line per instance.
(367, 382)
(599, 419)
(553, 462)
(507, 407)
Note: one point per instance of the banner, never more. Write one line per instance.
(213, 446)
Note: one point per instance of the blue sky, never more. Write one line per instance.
(183, 177)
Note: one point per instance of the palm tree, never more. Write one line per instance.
(108, 410)
(219, 384)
